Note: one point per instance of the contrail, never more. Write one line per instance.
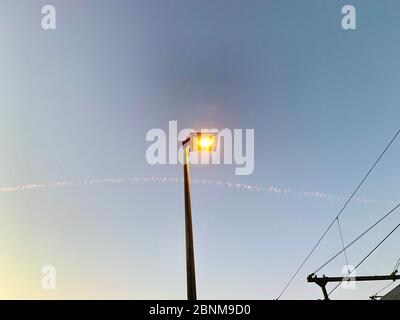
(238, 186)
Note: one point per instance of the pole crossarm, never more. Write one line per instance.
(323, 281)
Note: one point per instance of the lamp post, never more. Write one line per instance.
(200, 142)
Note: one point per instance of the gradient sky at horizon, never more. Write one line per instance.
(76, 104)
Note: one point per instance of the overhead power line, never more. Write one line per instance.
(356, 239)
(343, 246)
(367, 256)
(383, 289)
(338, 215)
(395, 269)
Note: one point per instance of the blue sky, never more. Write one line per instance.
(76, 104)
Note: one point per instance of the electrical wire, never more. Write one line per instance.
(337, 216)
(344, 249)
(383, 289)
(357, 238)
(396, 267)
(367, 256)
(390, 284)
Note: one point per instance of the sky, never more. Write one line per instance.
(77, 102)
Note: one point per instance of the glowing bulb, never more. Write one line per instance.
(205, 142)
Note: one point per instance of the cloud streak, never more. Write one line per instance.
(238, 186)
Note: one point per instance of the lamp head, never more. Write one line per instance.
(203, 141)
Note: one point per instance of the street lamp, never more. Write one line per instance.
(196, 142)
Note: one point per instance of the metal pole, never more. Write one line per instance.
(190, 268)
